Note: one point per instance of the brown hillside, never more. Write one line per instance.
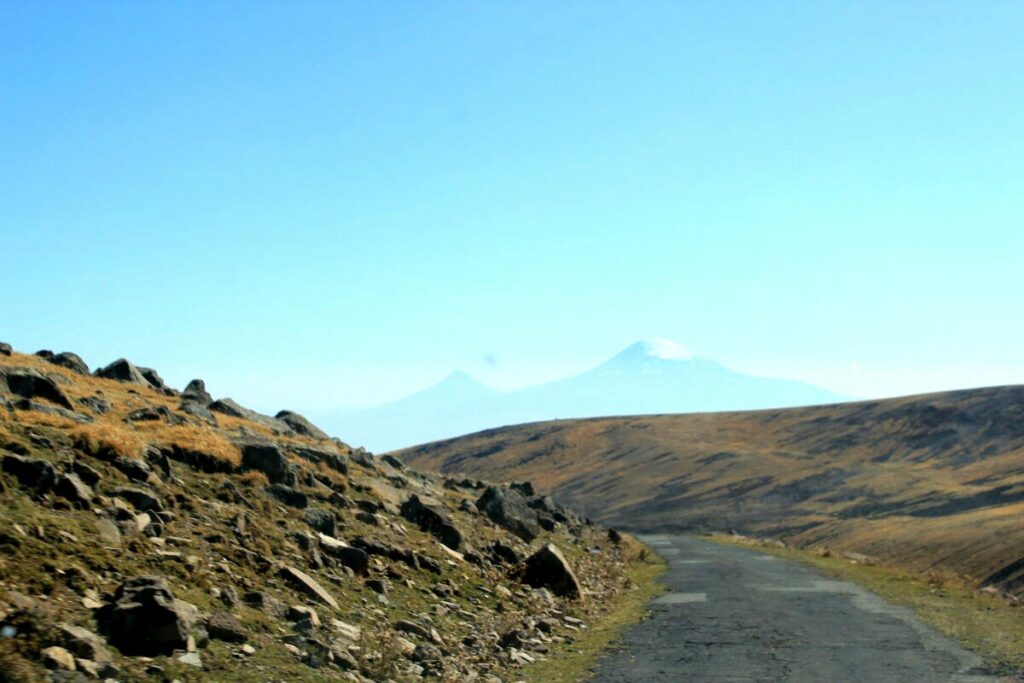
(931, 482)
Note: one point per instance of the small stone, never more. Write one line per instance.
(300, 612)
(191, 659)
(248, 649)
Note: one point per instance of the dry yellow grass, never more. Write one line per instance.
(109, 438)
(193, 437)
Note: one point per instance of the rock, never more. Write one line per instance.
(548, 568)
(432, 519)
(393, 462)
(413, 628)
(287, 495)
(300, 425)
(191, 659)
(156, 381)
(123, 370)
(72, 488)
(342, 658)
(546, 521)
(5, 349)
(322, 521)
(377, 586)
(308, 585)
(228, 407)
(224, 626)
(58, 658)
(265, 603)
(141, 499)
(426, 653)
(31, 384)
(96, 404)
(108, 531)
(196, 392)
(300, 612)
(85, 644)
(508, 508)
(614, 536)
(154, 414)
(31, 473)
(198, 410)
(71, 361)
(266, 457)
(145, 618)
(505, 554)
(353, 633)
(523, 487)
(355, 559)
(136, 470)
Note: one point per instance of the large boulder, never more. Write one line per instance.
(323, 521)
(156, 381)
(266, 457)
(227, 406)
(432, 519)
(71, 361)
(33, 473)
(123, 370)
(30, 384)
(196, 392)
(145, 619)
(509, 509)
(548, 568)
(301, 425)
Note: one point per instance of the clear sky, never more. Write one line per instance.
(329, 204)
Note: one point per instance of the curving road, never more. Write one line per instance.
(738, 615)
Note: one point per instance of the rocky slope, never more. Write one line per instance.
(930, 483)
(151, 534)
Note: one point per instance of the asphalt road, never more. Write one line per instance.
(739, 615)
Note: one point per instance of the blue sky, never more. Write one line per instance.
(327, 204)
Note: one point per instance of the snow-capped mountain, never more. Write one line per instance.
(651, 376)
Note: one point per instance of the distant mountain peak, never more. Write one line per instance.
(663, 349)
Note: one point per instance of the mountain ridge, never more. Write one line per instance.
(649, 376)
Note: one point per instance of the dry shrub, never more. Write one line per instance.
(109, 439)
(13, 667)
(254, 478)
(192, 437)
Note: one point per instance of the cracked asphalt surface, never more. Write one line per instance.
(738, 615)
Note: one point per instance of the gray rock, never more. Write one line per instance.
(142, 500)
(145, 619)
(156, 381)
(31, 473)
(72, 488)
(71, 361)
(84, 643)
(509, 509)
(266, 457)
(5, 349)
(265, 603)
(96, 404)
(229, 407)
(324, 521)
(31, 384)
(224, 626)
(136, 470)
(301, 425)
(432, 519)
(123, 370)
(287, 495)
(196, 392)
(548, 568)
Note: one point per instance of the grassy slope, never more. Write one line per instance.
(932, 483)
(51, 550)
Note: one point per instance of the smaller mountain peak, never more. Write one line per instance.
(663, 349)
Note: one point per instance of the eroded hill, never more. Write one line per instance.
(151, 534)
(928, 482)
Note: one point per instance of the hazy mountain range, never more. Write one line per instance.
(651, 376)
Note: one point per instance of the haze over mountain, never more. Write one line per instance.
(650, 376)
